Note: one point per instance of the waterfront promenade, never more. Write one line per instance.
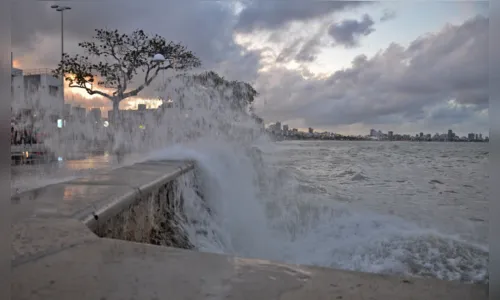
(57, 255)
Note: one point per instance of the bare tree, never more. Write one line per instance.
(115, 59)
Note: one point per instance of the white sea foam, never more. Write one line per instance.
(269, 219)
(245, 200)
(258, 209)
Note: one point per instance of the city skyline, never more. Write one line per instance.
(282, 127)
(342, 66)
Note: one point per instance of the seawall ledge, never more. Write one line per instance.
(57, 256)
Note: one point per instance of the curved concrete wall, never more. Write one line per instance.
(155, 217)
(58, 256)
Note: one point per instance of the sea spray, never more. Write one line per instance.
(253, 207)
(272, 219)
(241, 200)
(228, 190)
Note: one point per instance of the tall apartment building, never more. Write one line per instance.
(36, 93)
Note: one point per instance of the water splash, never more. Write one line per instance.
(239, 202)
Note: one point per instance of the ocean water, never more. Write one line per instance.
(440, 186)
(417, 209)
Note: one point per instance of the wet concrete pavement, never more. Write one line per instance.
(92, 268)
(28, 177)
(56, 256)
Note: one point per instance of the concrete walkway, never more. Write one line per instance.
(56, 256)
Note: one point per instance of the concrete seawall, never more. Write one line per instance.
(107, 236)
(152, 218)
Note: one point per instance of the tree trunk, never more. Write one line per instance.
(116, 112)
(115, 124)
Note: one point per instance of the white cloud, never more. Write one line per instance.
(395, 86)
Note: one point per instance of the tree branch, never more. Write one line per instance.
(147, 82)
(122, 86)
(91, 91)
(128, 54)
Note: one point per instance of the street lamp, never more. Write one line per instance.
(159, 58)
(61, 9)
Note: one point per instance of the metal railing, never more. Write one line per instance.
(42, 71)
(16, 72)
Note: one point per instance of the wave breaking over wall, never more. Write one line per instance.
(239, 201)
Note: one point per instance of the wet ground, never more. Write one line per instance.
(28, 177)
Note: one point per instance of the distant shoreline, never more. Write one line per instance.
(372, 140)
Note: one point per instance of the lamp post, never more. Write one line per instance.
(159, 58)
(61, 9)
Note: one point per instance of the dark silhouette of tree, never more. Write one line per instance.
(243, 94)
(115, 59)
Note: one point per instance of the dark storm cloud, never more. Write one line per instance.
(442, 116)
(348, 32)
(271, 15)
(476, 97)
(32, 18)
(388, 15)
(309, 50)
(300, 50)
(204, 27)
(289, 51)
(23, 16)
(303, 50)
(397, 84)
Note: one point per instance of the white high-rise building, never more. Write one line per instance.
(17, 87)
(36, 92)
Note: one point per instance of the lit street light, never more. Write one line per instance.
(159, 58)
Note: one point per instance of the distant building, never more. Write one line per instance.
(470, 137)
(373, 132)
(95, 115)
(480, 136)
(67, 111)
(79, 113)
(390, 135)
(311, 130)
(42, 92)
(450, 135)
(169, 104)
(285, 129)
(17, 86)
(477, 137)
(275, 128)
(421, 135)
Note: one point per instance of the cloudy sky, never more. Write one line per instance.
(339, 66)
